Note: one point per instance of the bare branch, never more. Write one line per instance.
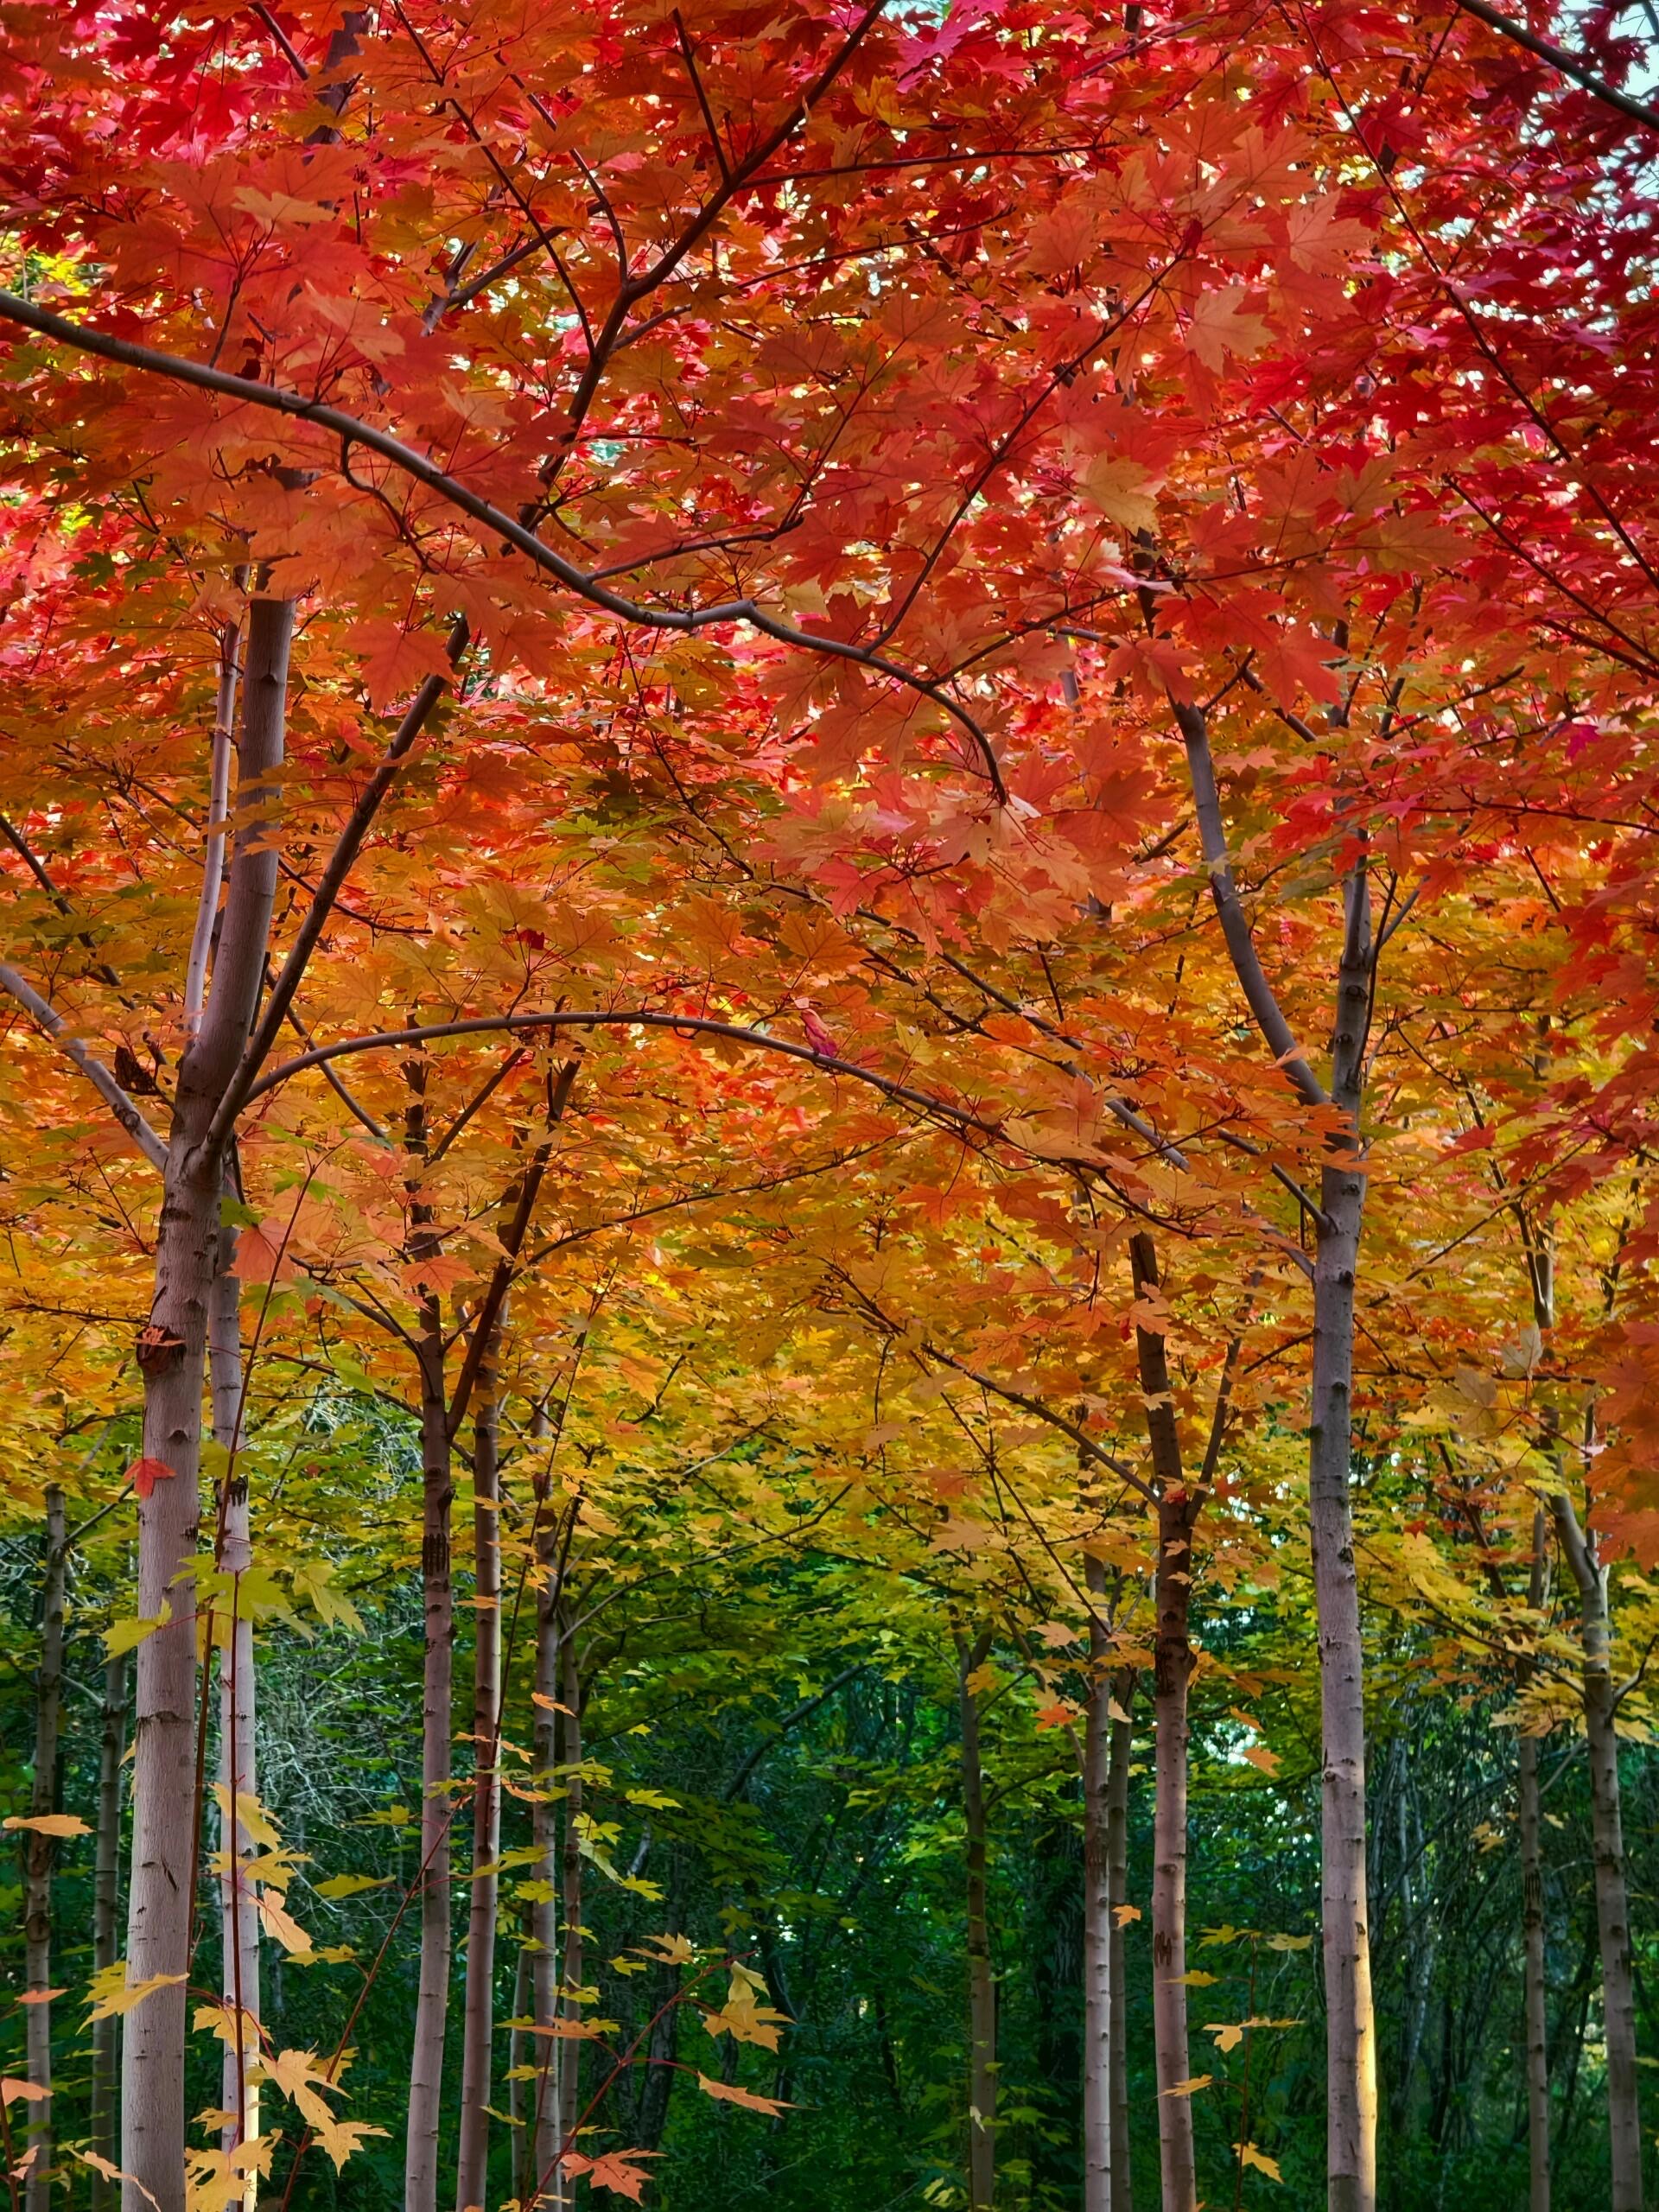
(1235, 922)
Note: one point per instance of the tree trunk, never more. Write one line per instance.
(1171, 1671)
(432, 2002)
(1098, 1990)
(982, 1986)
(1117, 1788)
(171, 1351)
(1351, 2046)
(1103, 1945)
(518, 2043)
(1612, 1903)
(38, 1852)
(238, 1765)
(1531, 1876)
(106, 1921)
(1532, 1880)
(1351, 2028)
(478, 2019)
(543, 2147)
(569, 2047)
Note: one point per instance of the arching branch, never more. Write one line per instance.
(956, 1117)
(351, 430)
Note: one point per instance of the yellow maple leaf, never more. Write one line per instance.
(1249, 2156)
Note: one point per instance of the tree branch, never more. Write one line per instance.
(630, 1018)
(1558, 58)
(351, 430)
(1235, 923)
(329, 886)
(148, 1141)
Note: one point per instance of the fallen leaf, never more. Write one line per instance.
(48, 1823)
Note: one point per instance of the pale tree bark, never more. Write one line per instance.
(517, 2044)
(982, 1983)
(106, 1921)
(1099, 1990)
(1612, 1899)
(1117, 1816)
(39, 1851)
(1537, 2025)
(569, 2047)
(219, 801)
(172, 1348)
(237, 1684)
(1351, 2028)
(437, 1495)
(1532, 1878)
(542, 2146)
(479, 2014)
(1171, 1672)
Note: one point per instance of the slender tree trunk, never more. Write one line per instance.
(982, 1985)
(1351, 2033)
(1612, 1902)
(478, 2019)
(1098, 1916)
(543, 2147)
(38, 1852)
(1117, 1788)
(518, 2043)
(238, 1764)
(569, 2047)
(1171, 1671)
(1098, 1989)
(1532, 1882)
(1531, 1876)
(1350, 2027)
(432, 2002)
(171, 1351)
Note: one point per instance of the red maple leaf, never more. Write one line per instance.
(144, 1474)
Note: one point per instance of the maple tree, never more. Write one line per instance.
(845, 811)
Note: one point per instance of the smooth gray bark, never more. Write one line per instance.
(1117, 1788)
(569, 2047)
(1171, 1672)
(1350, 2027)
(237, 1686)
(171, 1352)
(1098, 1992)
(1350, 2032)
(543, 2147)
(437, 1495)
(478, 2022)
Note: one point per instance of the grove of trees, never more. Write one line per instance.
(829, 1162)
